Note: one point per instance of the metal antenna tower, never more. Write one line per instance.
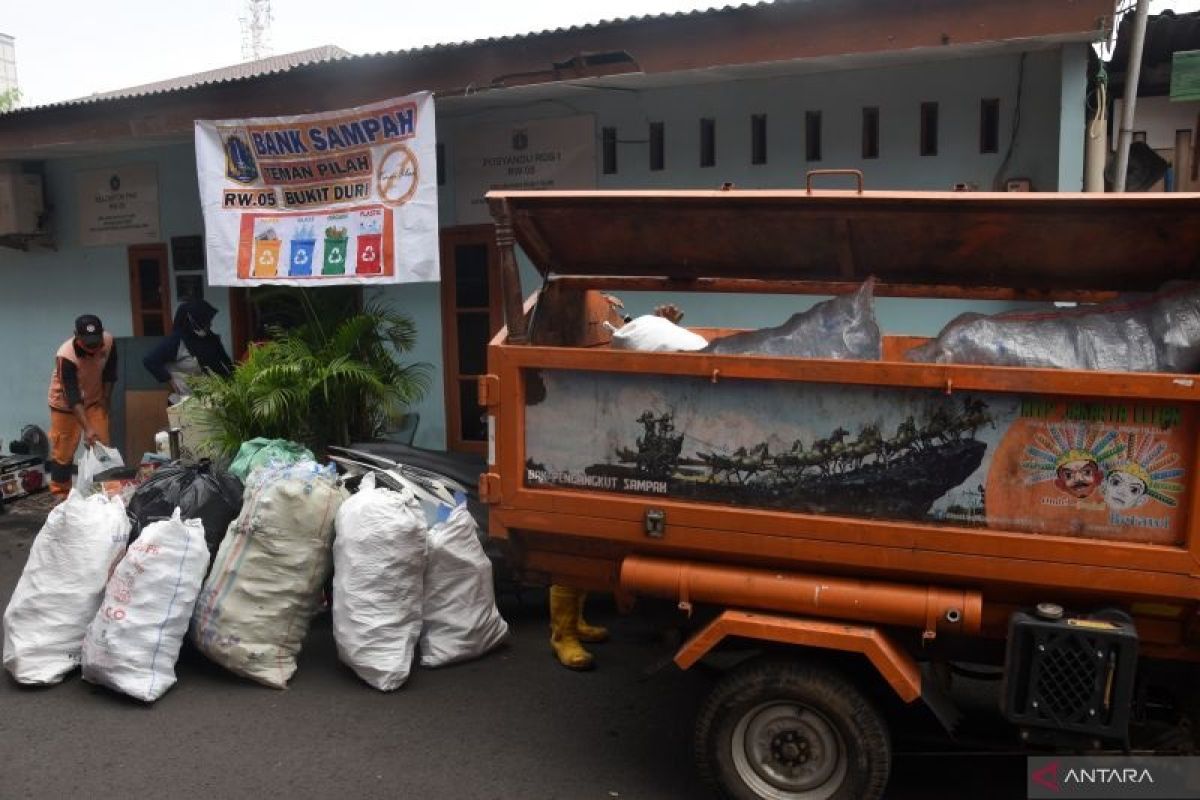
(256, 29)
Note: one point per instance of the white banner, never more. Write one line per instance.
(118, 205)
(540, 154)
(333, 198)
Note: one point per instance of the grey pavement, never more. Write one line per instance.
(511, 725)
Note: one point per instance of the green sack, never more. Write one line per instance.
(261, 452)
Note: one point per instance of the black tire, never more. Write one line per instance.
(822, 739)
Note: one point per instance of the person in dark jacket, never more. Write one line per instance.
(190, 349)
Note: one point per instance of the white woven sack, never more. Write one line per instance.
(62, 586)
(265, 584)
(133, 641)
(461, 618)
(378, 583)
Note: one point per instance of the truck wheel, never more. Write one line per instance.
(779, 730)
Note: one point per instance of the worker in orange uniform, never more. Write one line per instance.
(85, 370)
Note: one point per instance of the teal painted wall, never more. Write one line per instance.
(43, 291)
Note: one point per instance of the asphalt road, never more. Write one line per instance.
(511, 725)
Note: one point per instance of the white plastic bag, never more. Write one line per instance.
(656, 334)
(96, 458)
(265, 584)
(133, 642)
(62, 586)
(378, 583)
(461, 619)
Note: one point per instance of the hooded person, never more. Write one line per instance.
(190, 349)
(85, 371)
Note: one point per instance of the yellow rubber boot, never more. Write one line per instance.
(564, 635)
(588, 633)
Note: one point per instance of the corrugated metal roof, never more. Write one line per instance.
(248, 69)
(303, 58)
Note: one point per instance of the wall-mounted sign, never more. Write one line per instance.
(118, 205)
(539, 154)
(1185, 75)
(339, 197)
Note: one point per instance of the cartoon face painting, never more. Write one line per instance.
(1124, 490)
(1079, 477)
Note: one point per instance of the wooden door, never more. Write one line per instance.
(471, 316)
(149, 290)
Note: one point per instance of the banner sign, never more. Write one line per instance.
(340, 197)
(542, 154)
(118, 205)
(1103, 468)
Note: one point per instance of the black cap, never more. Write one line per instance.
(90, 330)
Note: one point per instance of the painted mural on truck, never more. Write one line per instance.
(1102, 469)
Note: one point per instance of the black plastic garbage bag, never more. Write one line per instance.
(199, 491)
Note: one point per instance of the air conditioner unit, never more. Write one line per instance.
(21, 201)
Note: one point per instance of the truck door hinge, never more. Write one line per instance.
(489, 487)
(489, 390)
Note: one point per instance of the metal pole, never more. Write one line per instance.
(1133, 73)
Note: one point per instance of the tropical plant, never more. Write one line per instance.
(9, 99)
(323, 382)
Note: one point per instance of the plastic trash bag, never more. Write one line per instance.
(461, 618)
(655, 334)
(378, 583)
(133, 642)
(843, 327)
(198, 491)
(263, 452)
(62, 586)
(265, 583)
(97, 459)
(1160, 333)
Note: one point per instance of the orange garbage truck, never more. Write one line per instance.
(862, 522)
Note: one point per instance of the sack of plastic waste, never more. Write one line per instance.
(262, 452)
(378, 583)
(1160, 333)
(133, 642)
(266, 580)
(198, 491)
(842, 327)
(650, 333)
(62, 586)
(461, 618)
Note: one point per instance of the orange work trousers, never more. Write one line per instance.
(64, 441)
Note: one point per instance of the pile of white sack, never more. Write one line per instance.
(402, 585)
(411, 578)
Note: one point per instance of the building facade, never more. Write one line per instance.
(755, 96)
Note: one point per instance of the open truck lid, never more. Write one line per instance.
(1042, 242)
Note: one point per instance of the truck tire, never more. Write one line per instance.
(782, 730)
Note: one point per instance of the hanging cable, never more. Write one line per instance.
(1016, 124)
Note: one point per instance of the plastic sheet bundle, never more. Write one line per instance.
(655, 334)
(62, 586)
(1160, 333)
(265, 584)
(843, 327)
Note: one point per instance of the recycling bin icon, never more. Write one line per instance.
(335, 256)
(302, 256)
(266, 258)
(370, 254)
